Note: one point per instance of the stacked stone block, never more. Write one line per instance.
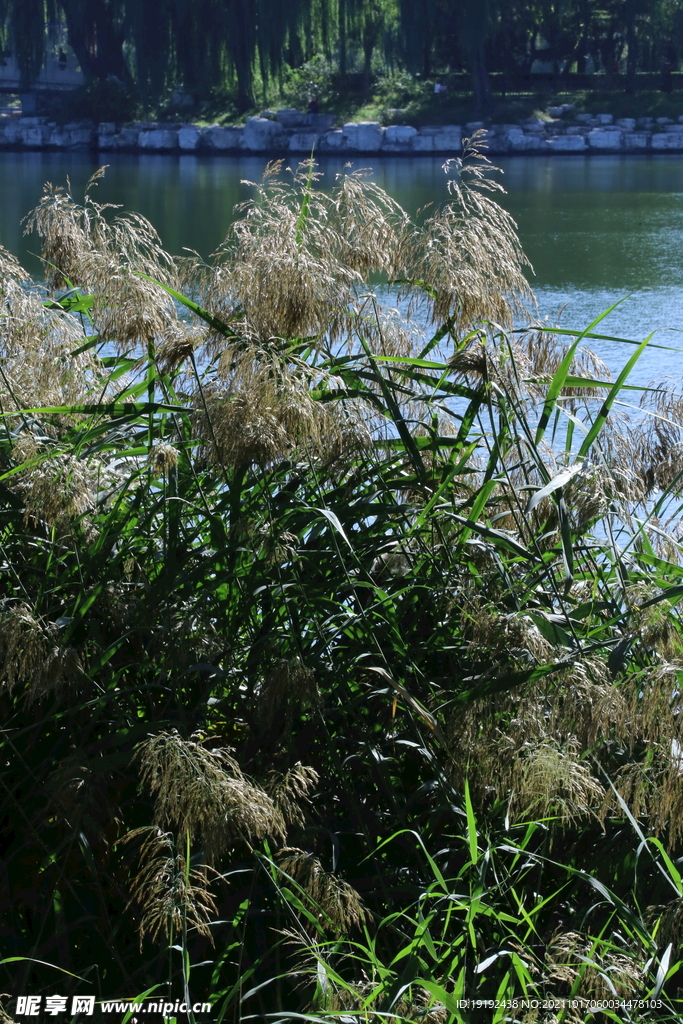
(284, 132)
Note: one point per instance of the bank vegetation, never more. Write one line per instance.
(340, 651)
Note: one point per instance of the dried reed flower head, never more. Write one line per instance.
(668, 919)
(60, 488)
(525, 364)
(288, 687)
(169, 896)
(47, 375)
(113, 261)
(36, 346)
(387, 330)
(241, 433)
(297, 254)
(56, 487)
(470, 363)
(658, 628)
(524, 747)
(649, 728)
(132, 311)
(539, 354)
(468, 252)
(261, 408)
(272, 542)
(74, 788)
(14, 278)
(550, 779)
(31, 654)
(163, 457)
(203, 793)
(653, 788)
(290, 791)
(657, 440)
(416, 1004)
(177, 347)
(598, 973)
(583, 704)
(666, 537)
(336, 905)
(586, 497)
(373, 231)
(502, 636)
(64, 230)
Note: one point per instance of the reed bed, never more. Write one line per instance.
(339, 664)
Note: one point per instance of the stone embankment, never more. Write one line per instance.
(292, 132)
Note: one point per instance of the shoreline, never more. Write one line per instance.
(290, 133)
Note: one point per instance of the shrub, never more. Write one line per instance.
(99, 100)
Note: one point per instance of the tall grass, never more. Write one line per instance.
(339, 639)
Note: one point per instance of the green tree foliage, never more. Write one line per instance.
(24, 31)
(207, 45)
(198, 45)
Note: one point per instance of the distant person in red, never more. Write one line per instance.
(313, 105)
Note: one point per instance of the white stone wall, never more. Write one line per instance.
(292, 131)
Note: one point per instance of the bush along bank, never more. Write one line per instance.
(291, 131)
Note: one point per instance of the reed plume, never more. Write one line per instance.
(203, 793)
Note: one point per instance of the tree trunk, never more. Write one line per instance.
(368, 48)
(27, 36)
(427, 59)
(481, 86)
(474, 26)
(372, 29)
(95, 38)
(530, 52)
(427, 14)
(342, 39)
(242, 13)
(631, 44)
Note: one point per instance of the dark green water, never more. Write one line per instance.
(596, 229)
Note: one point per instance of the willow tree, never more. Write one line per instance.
(95, 30)
(467, 28)
(201, 44)
(418, 21)
(197, 45)
(161, 43)
(23, 30)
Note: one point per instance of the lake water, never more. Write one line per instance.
(596, 229)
